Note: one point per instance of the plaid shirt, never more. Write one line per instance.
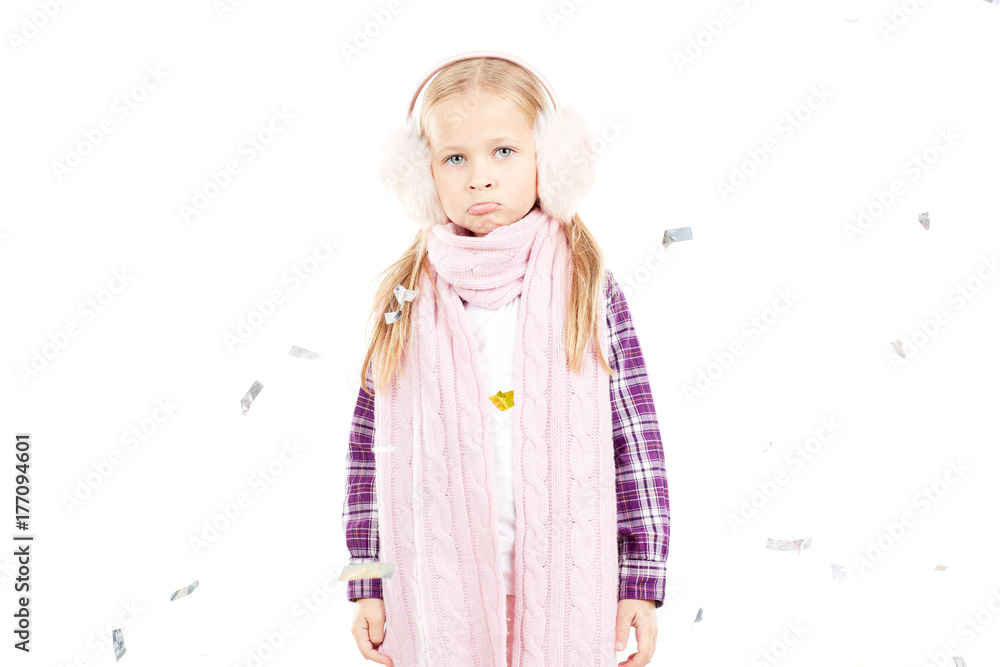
(641, 479)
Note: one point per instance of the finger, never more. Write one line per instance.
(622, 626)
(643, 642)
(376, 631)
(369, 650)
(383, 658)
(375, 656)
(361, 639)
(378, 656)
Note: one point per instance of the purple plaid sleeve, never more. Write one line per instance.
(643, 504)
(360, 515)
(640, 470)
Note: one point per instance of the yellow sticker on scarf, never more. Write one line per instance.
(503, 399)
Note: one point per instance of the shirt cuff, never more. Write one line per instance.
(642, 580)
(364, 588)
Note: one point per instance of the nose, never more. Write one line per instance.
(480, 179)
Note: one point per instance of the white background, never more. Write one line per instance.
(686, 128)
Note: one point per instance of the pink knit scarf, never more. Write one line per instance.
(445, 603)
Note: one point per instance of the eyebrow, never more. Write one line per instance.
(498, 140)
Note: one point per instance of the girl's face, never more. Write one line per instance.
(482, 151)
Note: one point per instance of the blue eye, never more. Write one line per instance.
(447, 160)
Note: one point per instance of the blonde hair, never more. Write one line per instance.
(522, 90)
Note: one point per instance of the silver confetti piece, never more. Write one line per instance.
(780, 545)
(960, 662)
(924, 220)
(303, 353)
(898, 347)
(376, 570)
(767, 448)
(676, 234)
(119, 641)
(789, 545)
(697, 619)
(250, 395)
(402, 296)
(181, 592)
(839, 573)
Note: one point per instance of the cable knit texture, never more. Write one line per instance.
(445, 603)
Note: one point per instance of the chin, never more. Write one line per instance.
(488, 225)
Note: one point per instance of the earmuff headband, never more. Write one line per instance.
(563, 155)
(480, 54)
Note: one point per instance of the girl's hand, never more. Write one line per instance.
(641, 614)
(369, 629)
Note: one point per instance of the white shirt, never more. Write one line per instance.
(494, 331)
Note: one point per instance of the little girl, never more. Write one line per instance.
(504, 451)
